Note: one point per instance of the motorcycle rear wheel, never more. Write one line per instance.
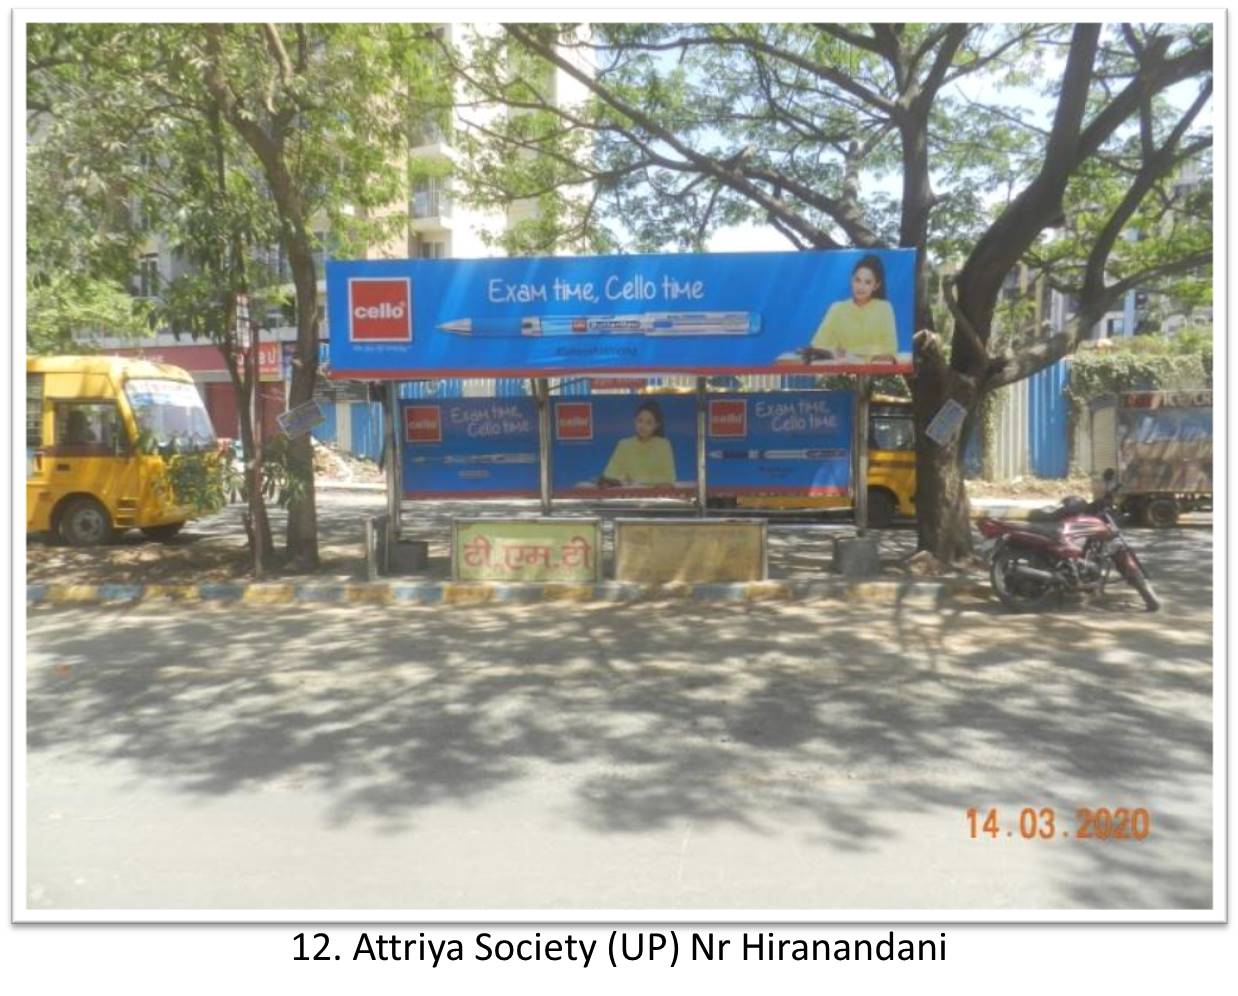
(1021, 594)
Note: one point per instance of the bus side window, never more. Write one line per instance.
(89, 428)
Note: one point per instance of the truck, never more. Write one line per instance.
(1160, 444)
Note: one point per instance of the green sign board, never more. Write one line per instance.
(560, 550)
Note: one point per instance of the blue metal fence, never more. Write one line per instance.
(325, 431)
(1047, 419)
(366, 429)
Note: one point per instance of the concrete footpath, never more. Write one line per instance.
(800, 562)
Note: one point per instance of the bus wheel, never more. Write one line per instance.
(164, 533)
(881, 508)
(1160, 513)
(84, 522)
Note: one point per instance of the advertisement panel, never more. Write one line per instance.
(710, 314)
(483, 447)
(1165, 442)
(624, 447)
(787, 443)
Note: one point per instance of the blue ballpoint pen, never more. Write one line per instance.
(654, 323)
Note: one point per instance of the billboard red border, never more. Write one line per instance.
(815, 370)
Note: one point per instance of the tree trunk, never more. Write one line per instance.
(260, 522)
(302, 514)
(260, 525)
(917, 204)
(943, 513)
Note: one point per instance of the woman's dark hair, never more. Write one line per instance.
(654, 409)
(873, 265)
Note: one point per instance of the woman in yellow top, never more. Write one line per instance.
(862, 328)
(645, 458)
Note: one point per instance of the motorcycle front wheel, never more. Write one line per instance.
(1016, 593)
(1134, 574)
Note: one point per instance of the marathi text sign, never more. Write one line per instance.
(783, 443)
(563, 550)
(483, 447)
(721, 313)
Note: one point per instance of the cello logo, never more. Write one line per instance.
(728, 419)
(423, 424)
(574, 420)
(380, 310)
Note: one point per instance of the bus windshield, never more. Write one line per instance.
(170, 415)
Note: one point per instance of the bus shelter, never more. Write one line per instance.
(709, 317)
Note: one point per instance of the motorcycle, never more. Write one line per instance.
(1069, 550)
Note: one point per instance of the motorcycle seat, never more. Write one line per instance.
(1041, 528)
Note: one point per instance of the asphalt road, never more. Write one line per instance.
(804, 756)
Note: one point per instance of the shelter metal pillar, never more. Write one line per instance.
(701, 427)
(391, 439)
(541, 392)
(860, 450)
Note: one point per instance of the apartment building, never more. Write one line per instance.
(437, 224)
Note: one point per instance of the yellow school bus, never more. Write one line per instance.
(99, 431)
(891, 468)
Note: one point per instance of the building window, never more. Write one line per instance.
(148, 275)
(431, 198)
(431, 250)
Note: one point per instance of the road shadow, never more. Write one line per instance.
(845, 717)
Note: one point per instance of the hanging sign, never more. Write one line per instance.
(711, 314)
(944, 428)
(300, 420)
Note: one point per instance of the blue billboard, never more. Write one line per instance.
(482, 447)
(783, 443)
(624, 447)
(715, 314)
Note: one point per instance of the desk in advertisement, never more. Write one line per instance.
(560, 550)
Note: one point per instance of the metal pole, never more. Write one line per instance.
(861, 455)
(541, 391)
(391, 409)
(701, 426)
(255, 421)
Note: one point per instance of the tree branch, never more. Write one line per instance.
(693, 159)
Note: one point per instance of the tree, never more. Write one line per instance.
(81, 239)
(689, 127)
(276, 132)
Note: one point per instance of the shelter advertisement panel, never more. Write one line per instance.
(623, 447)
(483, 447)
(717, 313)
(787, 443)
